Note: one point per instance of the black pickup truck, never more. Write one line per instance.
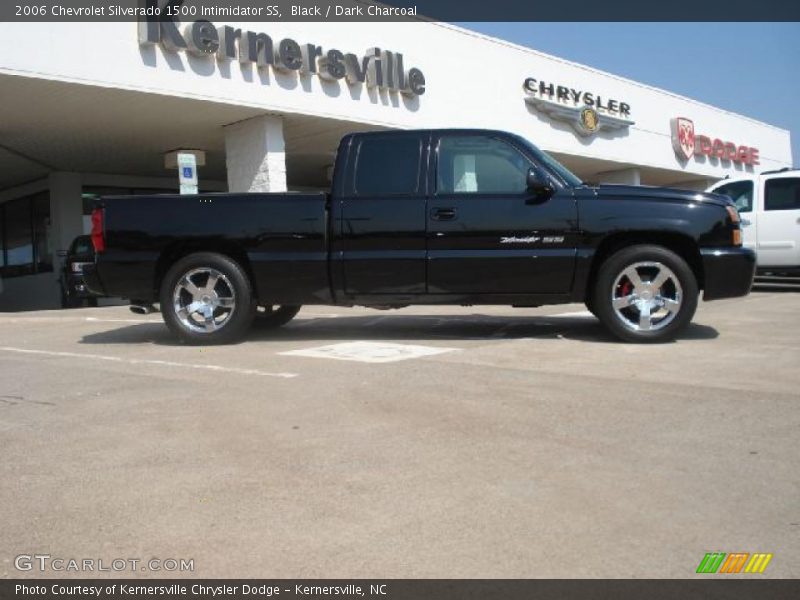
(424, 217)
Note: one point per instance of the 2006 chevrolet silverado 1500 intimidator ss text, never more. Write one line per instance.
(424, 217)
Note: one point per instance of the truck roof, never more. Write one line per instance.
(441, 130)
(783, 170)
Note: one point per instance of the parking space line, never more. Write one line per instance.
(159, 363)
(67, 319)
(369, 352)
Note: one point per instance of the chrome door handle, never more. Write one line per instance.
(443, 214)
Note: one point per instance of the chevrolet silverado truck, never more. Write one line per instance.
(462, 217)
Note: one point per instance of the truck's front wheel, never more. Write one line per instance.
(207, 298)
(645, 294)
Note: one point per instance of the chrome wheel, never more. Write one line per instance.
(204, 300)
(646, 296)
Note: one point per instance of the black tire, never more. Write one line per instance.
(627, 310)
(590, 305)
(276, 316)
(213, 322)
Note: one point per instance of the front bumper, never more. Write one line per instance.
(728, 272)
(77, 288)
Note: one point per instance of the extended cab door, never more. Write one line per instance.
(486, 233)
(383, 215)
(779, 223)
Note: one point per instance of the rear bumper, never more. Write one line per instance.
(91, 280)
(728, 272)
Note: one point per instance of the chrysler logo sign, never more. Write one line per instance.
(377, 68)
(587, 112)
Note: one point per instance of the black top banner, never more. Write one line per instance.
(400, 10)
(396, 589)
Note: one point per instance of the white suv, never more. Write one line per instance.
(769, 205)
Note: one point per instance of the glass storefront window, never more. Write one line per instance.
(19, 236)
(25, 224)
(42, 238)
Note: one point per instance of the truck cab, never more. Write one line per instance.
(769, 205)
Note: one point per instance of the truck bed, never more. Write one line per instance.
(282, 237)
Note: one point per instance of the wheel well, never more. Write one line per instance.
(680, 244)
(175, 252)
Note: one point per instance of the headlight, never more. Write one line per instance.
(733, 214)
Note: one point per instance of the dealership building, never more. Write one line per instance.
(103, 108)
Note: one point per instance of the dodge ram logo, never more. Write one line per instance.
(683, 137)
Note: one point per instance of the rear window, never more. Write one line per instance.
(782, 194)
(82, 245)
(388, 166)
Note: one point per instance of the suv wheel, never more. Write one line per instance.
(645, 294)
(207, 298)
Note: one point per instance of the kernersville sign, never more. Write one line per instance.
(379, 68)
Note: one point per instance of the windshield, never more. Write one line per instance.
(551, 163)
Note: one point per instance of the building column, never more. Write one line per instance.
(255, 155)
(66, 211)
(626, 176)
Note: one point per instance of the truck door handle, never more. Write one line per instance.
(746, 222)
(444, 214)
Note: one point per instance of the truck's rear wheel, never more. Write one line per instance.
(207, 298)
(645, 294)
(271, 317)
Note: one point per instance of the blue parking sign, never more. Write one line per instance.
(187, 172)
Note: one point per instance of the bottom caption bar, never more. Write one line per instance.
(401, 589)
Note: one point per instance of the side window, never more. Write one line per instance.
(741, 192)
(782, 194)
(25, 241)
(387, 166)
(478, 164)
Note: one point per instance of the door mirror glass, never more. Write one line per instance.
(538, 186)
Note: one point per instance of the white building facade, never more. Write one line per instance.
(91, 109)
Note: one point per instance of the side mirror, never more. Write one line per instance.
(540, 188)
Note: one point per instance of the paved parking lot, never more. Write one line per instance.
(454, 442)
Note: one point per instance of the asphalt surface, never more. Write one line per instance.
(531, 445)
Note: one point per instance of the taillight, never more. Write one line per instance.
(98, 241)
